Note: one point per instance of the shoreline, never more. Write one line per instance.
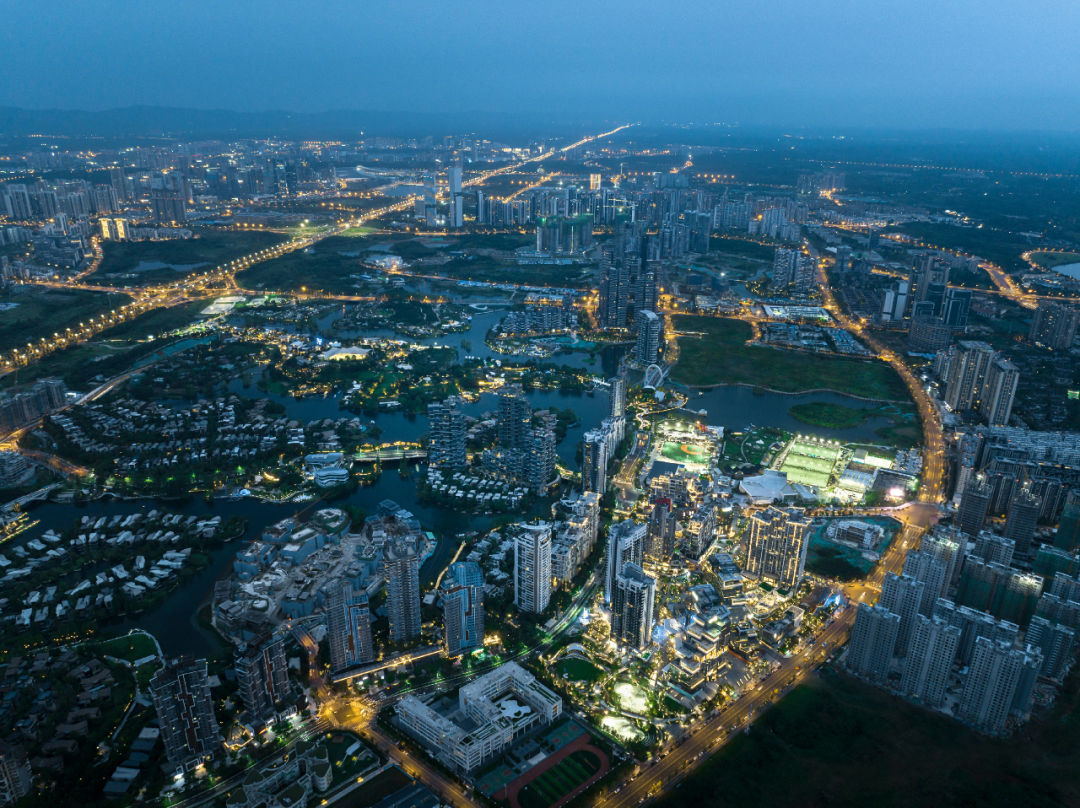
(789, 392)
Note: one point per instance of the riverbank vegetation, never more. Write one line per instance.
(40, 313)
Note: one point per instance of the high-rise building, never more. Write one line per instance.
(785, 266)
(453, 179)
(402, 590)
(992, 547)
(902, 595)
(843, 258)
(805, 274)
(661, 532)
(625, 545)
(967, 374)
(895, 304)
(924, 567)
(263, 674)
(446, 430)
(16, 779)
(595, 181)
(956, 304)
(999, 390)
(632, 605)
(647, 349)
(617, 397)
(541, 468)
(514, 418)
(700, 530)
(348, 622)
(462, 593)
(1054, 325)
(973, 624)
(167, 206)
(872, 641)
(991, 686)
(1068, 531)
(929, 660)
(974, 505)
(777, 547)
(532, 567)
(189, 730)
(1022, 520)
(614, 293)
(950, 548)
(594, 462)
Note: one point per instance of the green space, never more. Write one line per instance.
(45, 312)
(720, 355)
(323, 269)
(830, 416)
(742, 248)
(129, 648)
(578, 670)
(483, 268)
(155, 323)
(356, 232)
(560, 780)
(839, 742)
(376, 789)
(998, 246)
(1049, 260)
(684, 452)
(492, 241)
(209, 247)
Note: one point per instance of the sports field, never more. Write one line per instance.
(810, 463)
(557, 782)
(685, 452)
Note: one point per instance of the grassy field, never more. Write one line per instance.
(578, 670)
(742, 247)
(838, 743)
(1054, 259)
(1001, 247)
(155, 323)
(487, 269)
(210, 247)
(129, 648)
(830, 416)
(560, 780)
(720, 355)
(325, 269)
(44, 312)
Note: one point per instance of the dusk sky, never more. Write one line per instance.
(917, 63)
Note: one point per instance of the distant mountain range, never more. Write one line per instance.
(219, 123)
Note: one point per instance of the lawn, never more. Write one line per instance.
(838, 742)
(684, 453)
(720, 356)
(210, 247)
(578, 670)
(560, 780)
(129, 648)
(1054, 259)
(155, 323)
(325, 269)
(44, 312)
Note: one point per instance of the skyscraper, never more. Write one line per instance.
(700, 530)
(1068, 531)
(872, 641)
(967, 374)
(632, 604)
(785, 264)
(647, 349)
(1022, 520)
(991, 686)
(1055, 642)
(614, 293)
(594, 462)
(626, 545)
(348, 622)
(263, 674)
(532, 567)
(453, 179)
(189, 730)
(462, 594)
(617, 397)
(929, 660)
(974, 505)
(999, 390)
(514, 417)
(1054, 325)
(446, 430)
(541, 468)
(805, 274)
(777, 547)
(946, 547)
(402, 590)
(661, 532)
(932, 573)
(902, 595)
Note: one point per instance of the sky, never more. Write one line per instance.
(891, 63)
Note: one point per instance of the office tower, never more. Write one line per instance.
(843, 258)
(895, 303)
(514, 418)
(991, 547)
(453, 178)
(462, 594)
(1054, 325)
(1022, 519)
(626, 545)
(932, 573)
(661, 532)
(617, 397)
(967, 374)
(999, 390)
(632, 603)
(594, 462)
(483, 208)
(614, 293)
(457, 210)
(402, 590)
(776, 549)
(1068, 531)
(929, 660)
(595, 181)
(189, 730)
(872, 641)
(348, 624)
(956, 304)
(785, 265)
(541, 460)
(263, 675)
(902, 595)
(16, 779)
(1055, 642)
(532, 567)
(974, 505)
(647, 349)
(950, 550)
(446, 430)
(700, 530)
(991, 685)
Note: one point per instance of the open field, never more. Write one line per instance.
(684, 453)
(838, 742)
(560, 780)
(129, 648)
(1055, 259)
(155, 322)
(482, 268)
(721, 356)
(44, 312)
(325, 269)
(210, 248)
